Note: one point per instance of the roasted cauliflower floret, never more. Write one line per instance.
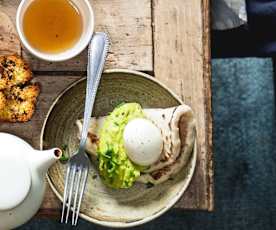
(29, 92)
(17, 94)
(16, 111)
(13, 71)
(2, 100)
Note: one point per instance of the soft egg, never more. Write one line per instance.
(142, 141)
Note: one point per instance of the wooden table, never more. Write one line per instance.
(168, 39)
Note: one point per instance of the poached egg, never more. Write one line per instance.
(142, 141)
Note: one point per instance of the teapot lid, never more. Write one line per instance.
(15, 175)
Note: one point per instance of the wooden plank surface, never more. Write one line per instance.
(180, 54)
(8, 36)
(128, 24)
(181, 61)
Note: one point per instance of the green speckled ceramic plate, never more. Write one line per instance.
(101, 205)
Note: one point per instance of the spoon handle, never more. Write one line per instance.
(97, 52)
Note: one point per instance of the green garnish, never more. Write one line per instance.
(64, 157)
(120, 104)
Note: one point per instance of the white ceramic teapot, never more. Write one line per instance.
(22, 179)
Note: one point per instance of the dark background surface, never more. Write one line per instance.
(255, 38)
(244, 154)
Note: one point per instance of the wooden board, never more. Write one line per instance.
(183, 65)
(131, 38)
(8, 36)
(169, 38)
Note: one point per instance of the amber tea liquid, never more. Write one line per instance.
(52, 26)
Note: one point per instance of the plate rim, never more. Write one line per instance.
(155, 215)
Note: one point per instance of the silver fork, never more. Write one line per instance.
(78, 165)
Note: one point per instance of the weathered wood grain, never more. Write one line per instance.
(208, 101)
(128, 24)
(9, 41)
(181, 61)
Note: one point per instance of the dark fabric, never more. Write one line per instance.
(257, 38)
(244, 155)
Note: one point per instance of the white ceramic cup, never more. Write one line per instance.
(87, 14)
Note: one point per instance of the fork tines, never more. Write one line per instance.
(75, 182)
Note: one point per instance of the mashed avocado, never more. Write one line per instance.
(116, 170)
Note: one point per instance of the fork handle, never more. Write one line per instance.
(97, 52)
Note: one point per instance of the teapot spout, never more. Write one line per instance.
(45, 159)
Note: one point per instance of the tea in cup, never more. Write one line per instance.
(55, 30)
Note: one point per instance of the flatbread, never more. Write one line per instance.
(177, 125)
(178, 144)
